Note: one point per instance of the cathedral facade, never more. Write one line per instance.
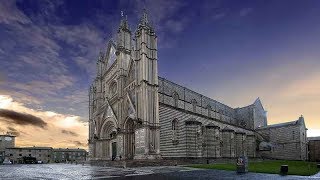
(135, 114)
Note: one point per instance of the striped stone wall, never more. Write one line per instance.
(251, 145)
(240, 144)
(196, 135)
(228, 143)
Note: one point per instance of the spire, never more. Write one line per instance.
(124, 22)
(144, 18)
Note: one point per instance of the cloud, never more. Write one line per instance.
(10, 13)
(69, 132)
(57, 126)
(13, 131)
(78, 143)
(21, 118)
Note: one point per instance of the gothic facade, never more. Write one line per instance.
(135, 114)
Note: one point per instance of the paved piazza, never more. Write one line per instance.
(69, 171)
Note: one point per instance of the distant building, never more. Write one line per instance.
(17, 154)
(67, 155)
(284, 141)
(6, 141)
(314, 148)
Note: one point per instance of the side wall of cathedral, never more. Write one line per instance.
(193, 125)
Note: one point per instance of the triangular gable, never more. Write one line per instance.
(258, 103)
(111, 54)
(108, 111)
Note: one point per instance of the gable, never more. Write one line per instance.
(108, 111)
(258, 104)
(111, 55)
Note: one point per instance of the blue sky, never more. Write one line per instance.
(232, 51)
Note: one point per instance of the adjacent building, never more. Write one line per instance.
(18, 154)
(314, 148)
(284, 141)
(69, 155)
(135, 114)
(6, 141)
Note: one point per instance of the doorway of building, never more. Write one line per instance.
(114, 150)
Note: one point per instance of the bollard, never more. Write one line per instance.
(242, 164)
(284, 169)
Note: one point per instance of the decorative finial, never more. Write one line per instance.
(144, 19)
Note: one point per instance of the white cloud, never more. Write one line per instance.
(55, 123)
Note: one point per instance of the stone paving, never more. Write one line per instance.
(69, 171)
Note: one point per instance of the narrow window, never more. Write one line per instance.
(209, 110)
(174, 130)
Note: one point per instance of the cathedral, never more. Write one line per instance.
(135, 114)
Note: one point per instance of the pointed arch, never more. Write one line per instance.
(108, 128)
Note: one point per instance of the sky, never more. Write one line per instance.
(232, 51)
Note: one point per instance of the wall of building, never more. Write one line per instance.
(184, 98)
(191, 136)
(314, 150)
(286, 142)
(6, 141)
(41, 154)
(259, 115)
(69, 155)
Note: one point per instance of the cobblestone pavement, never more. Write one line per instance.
(69, 171)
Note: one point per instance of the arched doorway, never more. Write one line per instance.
(129, 138)
(108, 136)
